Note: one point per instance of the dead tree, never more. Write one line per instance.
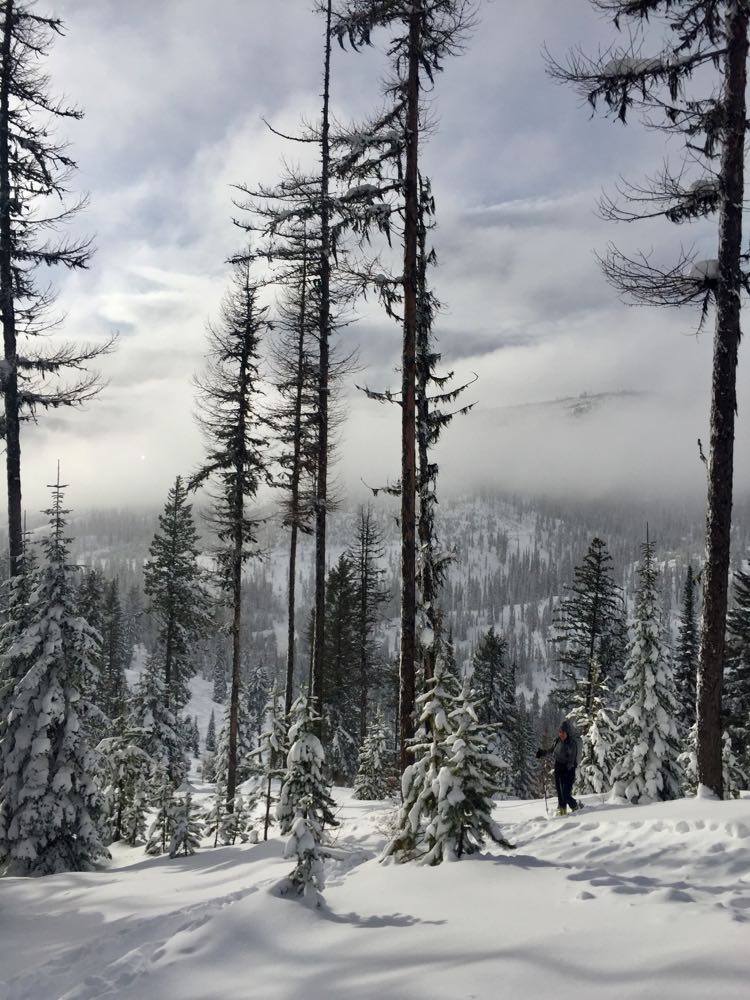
(710, 36)
(34, 169)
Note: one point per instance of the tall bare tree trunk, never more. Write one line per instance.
(723, 407)
(321, 486)
(7, 310)
(407, 672)
(294, 490)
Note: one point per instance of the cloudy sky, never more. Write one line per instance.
(174, 93)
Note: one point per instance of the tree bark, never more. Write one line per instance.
(321, 486)
(723, 407)
(7, 311)
(407, 671)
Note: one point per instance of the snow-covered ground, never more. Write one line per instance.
(619, 902)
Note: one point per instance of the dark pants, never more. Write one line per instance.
(564, 778)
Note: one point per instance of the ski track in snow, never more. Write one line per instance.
(618, 901)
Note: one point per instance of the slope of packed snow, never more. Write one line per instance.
(619, 901)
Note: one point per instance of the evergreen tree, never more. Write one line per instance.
(686, 655)
(271, 750)
(523, 769)
(305, 806)
(50, 807)
(14, 658)
(162, 825)
(238, 824)
(374, 778)
(195, 742)
(465, 784)
(215, 816)
(647, 769)
(255, 694)
(90, 607)
(588, 624)
(415, 830)
(157, 731)
(737, 682)
(179, 602)
(244, 747)
(735, 777)
(236, 463)
(114, 658)
(134, 818)
(187, 827)
(124, 763)
(211, 733)
(705, 40)
(38, 373)
(220, 679)
(340, 680)
(597, 736)
(365, 556)
(493, 681)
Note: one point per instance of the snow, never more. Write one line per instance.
(705, 270)
(619, 901)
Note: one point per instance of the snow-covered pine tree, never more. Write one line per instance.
(708, 42)
(163, 800)
(737, 680)
(305, 805)
(179, 601)
(34, 174)
(211, 733)
(155, 728)
(255, 693)
(16, 618)
(463, 787)
(493, 681)
(238, 824)
(244, 746)
(648, 744)
(686, 655)
(114, 656)
(237, 463)
(597, 735)
(124, 763)
(588, 625)
(735, 777)
(365, 556)
(271, 750)
(134, 819)
(220, 679)
(214, 819)
(187, 827)
(419, 784)
(523, 763)
(195, 739)
(50, 806)
(340, 680)
(375, 777)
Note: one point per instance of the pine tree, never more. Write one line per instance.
(340, 680)
(215, 816)
(179, 602)
(90, 607)
(597, 736)
(236, 463)
(735, 777)
(195, 742)
(305, 806)
(220, 680)
(708, 41)
(686, 655)
(365, 556)
(493, 680)
(238, 824)
(737, 681)
(114, 658)
(374, 778)
(50, 807)
(187, 827)
(211, 733)
(34, 170)
(647, 769)
(424, 34)
(124, 763)
(523, 769)
(162, 825)
(244, 746)
(588, 624)
(255, 694)
(271, 750)
(464, 788)
(134, 818)
(414, 837)
(157, 731)
(14, 659)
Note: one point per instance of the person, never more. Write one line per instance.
(565, 749)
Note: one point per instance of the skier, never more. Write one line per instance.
(565, 749)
